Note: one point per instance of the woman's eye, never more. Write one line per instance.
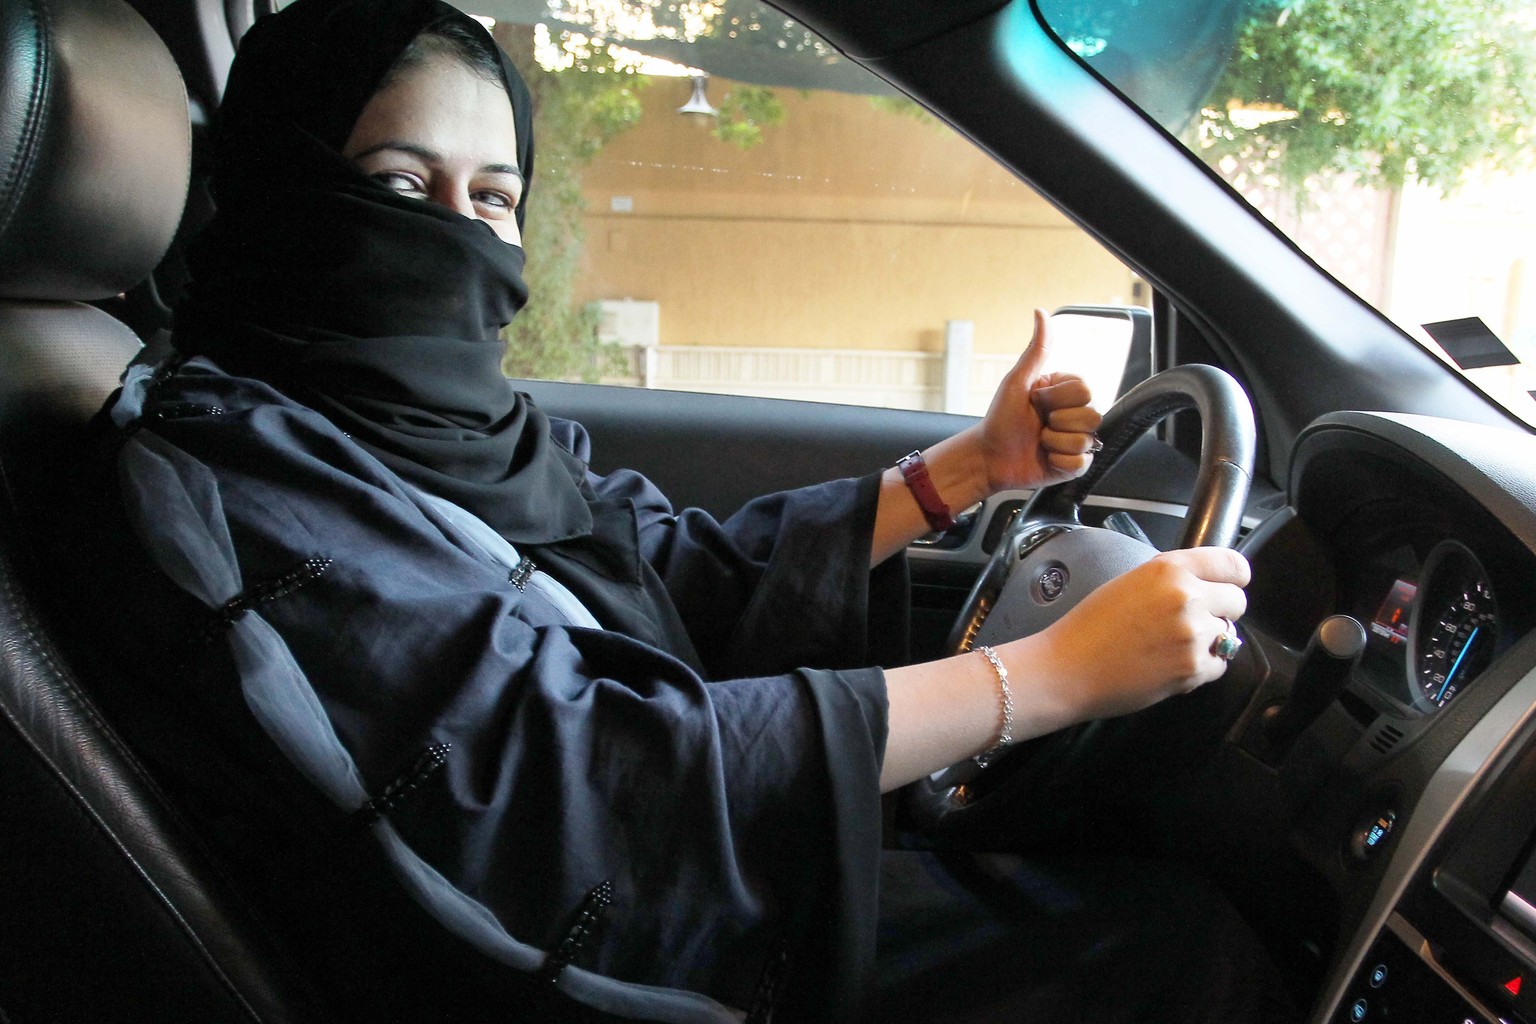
(494, 200)
(398, 181)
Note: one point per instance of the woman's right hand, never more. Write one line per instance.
(1141, 637)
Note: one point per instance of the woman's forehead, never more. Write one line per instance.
(442, 106)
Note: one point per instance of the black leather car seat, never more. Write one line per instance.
(112, 906)
(108, 909)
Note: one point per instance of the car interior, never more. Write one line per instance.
(1359, 784)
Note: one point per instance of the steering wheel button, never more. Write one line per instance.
(1036, 538)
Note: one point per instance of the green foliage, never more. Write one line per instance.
(584, 105)
(901, 106)
(741, 26)
(578, 109)
(1387, 90)
(555, 337)
(744, 113)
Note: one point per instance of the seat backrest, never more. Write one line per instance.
(111, 911)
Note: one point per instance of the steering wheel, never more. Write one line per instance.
(1047, 561)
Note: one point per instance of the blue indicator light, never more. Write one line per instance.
(1358, 1011)
(1378, 832)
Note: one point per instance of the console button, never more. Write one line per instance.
(1372, 833)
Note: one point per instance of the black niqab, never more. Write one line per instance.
(380, 311)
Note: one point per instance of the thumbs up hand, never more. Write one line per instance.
(1040, 428)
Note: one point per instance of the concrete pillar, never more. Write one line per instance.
(959, 345)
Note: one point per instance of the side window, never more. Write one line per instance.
(782, 226)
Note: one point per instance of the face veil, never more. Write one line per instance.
(380, 311)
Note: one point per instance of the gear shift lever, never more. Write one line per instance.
(1325, 668)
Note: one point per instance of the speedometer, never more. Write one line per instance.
(1456, 625)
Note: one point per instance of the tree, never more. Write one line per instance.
(1384, 90)
(579, 108)
(580, 105)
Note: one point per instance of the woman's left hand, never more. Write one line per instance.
(1040, 427)
(1039, 430)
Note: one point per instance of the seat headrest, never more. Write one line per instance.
(95, 149)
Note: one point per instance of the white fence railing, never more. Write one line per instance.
(894, 380)
(956, 379)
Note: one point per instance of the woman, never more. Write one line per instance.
(628, 750)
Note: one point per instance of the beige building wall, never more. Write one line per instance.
(848, 227)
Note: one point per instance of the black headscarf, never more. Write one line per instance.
(381, 311)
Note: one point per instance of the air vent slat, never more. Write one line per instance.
(1386, 738)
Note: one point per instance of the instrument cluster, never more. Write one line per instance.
(1434, 623)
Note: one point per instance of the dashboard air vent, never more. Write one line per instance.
(1385, 739)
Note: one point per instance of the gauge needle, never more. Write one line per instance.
(1452, 673)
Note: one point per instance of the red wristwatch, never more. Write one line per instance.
(915, 472)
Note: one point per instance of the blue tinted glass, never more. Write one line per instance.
(1165, 56)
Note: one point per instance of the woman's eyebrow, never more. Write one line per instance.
(432, 156)
(420, 152)
(503, 169)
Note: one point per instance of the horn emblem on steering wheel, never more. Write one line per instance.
(1051, 584)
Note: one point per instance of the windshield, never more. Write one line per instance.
(1389, 139)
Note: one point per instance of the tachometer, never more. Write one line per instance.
(1456, 625)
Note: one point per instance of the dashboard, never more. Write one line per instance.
(1391, 845)
(1387, 850)
(1412, 799)
(1384, 531)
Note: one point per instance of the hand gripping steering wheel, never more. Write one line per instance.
(1047, 561)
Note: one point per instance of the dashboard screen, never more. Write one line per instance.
(1390, 623)
(1385, 595)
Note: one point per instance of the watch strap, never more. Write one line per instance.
(915, 472)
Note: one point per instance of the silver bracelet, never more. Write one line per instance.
(1005, 699)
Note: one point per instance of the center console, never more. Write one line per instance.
(1452, 935)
